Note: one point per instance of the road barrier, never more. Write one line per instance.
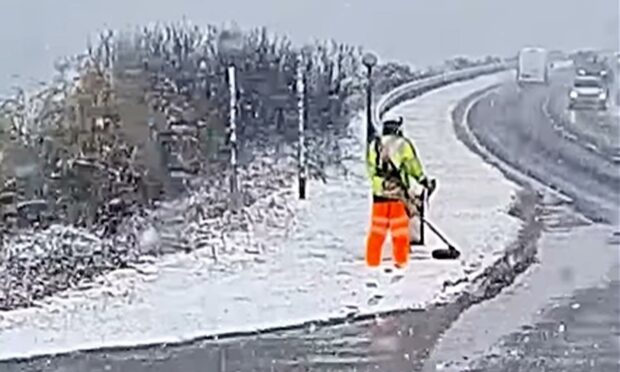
(416, 88)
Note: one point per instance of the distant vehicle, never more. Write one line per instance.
(533, 66)
(595, 67)
(588, 92)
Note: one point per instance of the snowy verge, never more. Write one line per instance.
(40, 263)
(312, 269)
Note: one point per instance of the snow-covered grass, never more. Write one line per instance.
(36, 263)
(303, 263)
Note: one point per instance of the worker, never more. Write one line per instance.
(392, 165)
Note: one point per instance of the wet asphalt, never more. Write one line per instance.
(564, 314)
(513, 124)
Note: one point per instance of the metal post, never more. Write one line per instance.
(369, 60)
(301, 112)
(370, 129)
(234, 181)
(222, 358)
(422, 216)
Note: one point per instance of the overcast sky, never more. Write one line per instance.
(420, 32)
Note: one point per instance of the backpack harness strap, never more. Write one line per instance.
(384, 167)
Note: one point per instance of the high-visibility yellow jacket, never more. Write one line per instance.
(392, 158)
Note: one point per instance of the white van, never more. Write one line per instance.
(533, 66)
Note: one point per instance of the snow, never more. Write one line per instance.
(306, 264)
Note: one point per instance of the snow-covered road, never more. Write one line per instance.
(314, 269)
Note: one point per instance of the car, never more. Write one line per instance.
(600, 71)
(588, 92)
(597, 65)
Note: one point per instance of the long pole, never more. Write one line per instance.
(422, 217)
(234, 181)
(370, 129)
(301, 113)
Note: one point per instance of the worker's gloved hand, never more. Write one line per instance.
(430, 184)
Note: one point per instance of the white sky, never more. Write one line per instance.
(421, 32)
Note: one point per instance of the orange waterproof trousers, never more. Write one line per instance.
(388, 215)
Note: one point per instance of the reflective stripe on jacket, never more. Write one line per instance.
(404, 164)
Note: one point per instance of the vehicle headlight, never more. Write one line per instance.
(603, 73)
(573, 94)
(602, 96)
(581, 71)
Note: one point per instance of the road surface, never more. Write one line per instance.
(564, 314)
(597, 131)
(513, 124)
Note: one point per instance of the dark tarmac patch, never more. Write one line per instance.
(574, 336)
(581, 331)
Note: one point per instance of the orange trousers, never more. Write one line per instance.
(388, 215)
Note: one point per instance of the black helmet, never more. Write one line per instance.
(392, 125)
